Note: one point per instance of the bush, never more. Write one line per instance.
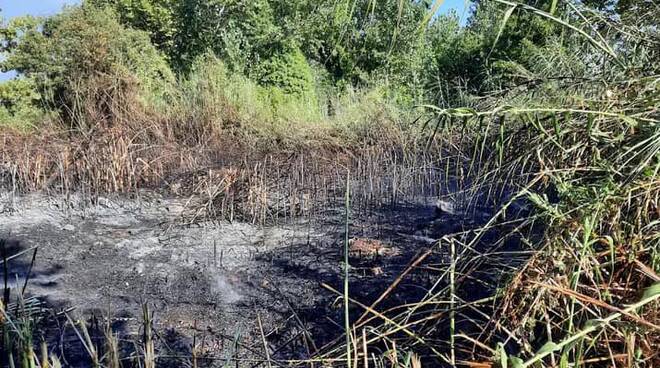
(288, 69)
(213, 96)
(19, 104)
(289, 83)
(87, 66)
(212, 99)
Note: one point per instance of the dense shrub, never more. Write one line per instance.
(87, 66)
(288, 69)
(20, 104)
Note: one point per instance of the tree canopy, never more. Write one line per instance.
(297, 47)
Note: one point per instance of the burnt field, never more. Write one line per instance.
(228, 276)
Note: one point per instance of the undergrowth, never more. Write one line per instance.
(580, 142)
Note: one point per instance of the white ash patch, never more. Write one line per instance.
(140, 248)
(224, 290)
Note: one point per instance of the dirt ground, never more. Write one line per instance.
(210, 279)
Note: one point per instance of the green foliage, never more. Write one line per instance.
(490, 52)
(286, 53)
(361, 39)
(288, 70)
(157, 17)
(213, 96)
(357, 42)
(19, 104)
(20, 100)
(454, 58)
(369, 116)
(84, 62)
(17, 93)
(236, 30)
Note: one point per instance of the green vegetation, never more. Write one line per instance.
(301, 52)
(20, 104)
(552, 102)
(85, 66)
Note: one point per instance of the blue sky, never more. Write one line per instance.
(15, 8)
(460, 6)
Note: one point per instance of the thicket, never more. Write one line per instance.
(84, 66)
(105, 58)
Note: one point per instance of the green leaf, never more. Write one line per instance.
(630, 121)
(652, 291)
(516, 362)
(462, 110)
(507, 15)
(563, 362)
(503, 356)
(548, 347)
(591, 323)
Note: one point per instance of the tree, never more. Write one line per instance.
(186, 29)
(356, 41)
(365, 37)
(84, 62)
(490, 51)
(156, 17)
